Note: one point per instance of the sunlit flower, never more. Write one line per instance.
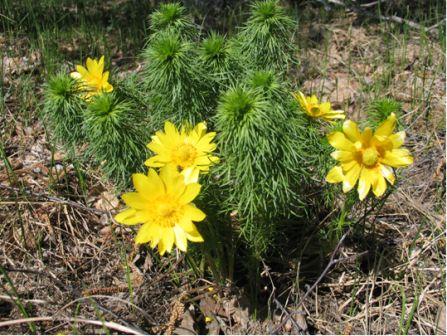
(162, 203)
(93, 79)
(367, 157)
(190, 151)
(314, 109)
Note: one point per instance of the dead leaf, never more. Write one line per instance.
(187, 325)
(107, 201)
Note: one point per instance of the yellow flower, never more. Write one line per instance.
(314, 109)
(189, 151)
(367, 157)
(162, 203)
(93, 80)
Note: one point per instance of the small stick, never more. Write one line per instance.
(110, 325)
(288, 315)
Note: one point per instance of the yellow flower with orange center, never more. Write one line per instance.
(190, 151)
(162, 203)
(367, 157)
(93, 78)
(313, 108)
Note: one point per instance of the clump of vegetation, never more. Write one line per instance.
(63, 110)
(270, 166)
(116, 137)
(265, 40)
(173, 80)
(172, 17)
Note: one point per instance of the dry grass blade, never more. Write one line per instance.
(109, 325)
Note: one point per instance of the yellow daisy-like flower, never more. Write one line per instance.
(188, 151)
(315, 109)
(162, 203)
(93, 79)
(367, 157)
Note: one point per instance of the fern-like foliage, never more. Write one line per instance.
(219, 66)
(172, 17)
(218, 60)
(117, 137)
(266, 38)
(173, 80)
(260, 162)
(276, 90)
(379, 109)
(63, 110)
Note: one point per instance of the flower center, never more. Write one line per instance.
(369, 157)
(314, 109)
(184, 155)
(167, 212)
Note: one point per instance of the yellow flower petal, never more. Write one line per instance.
(170, 129)
(90, 65)
(339, 141)
(388, 173)
(186, 224)
(144, 187)
(191, 175)
(156, 181)
(144, 234)
(367, 136)
(191, 192)
(379, 185)
(194, 236)
(194, 213)
(81, 70)
(397, 139)
(124, 215)
(367, 178)
(167, 240)
(100, 67)
(397, 158)
(331, 116)
(342, 156)
(180, 238)
(351, 131)
(154, 162)
(387, 127)
(134, 200)
(172, 180)
(351, 178)
(200, 129)
(325, 108)
(335, 175)
(138, 217)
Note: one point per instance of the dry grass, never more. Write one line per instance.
(63, 256)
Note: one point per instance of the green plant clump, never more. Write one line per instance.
(266, 40)
(379, 109)
(116, 137)
(172, 17)
(63, 110)
(273, 150)
(261, 162)
(173, 81)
